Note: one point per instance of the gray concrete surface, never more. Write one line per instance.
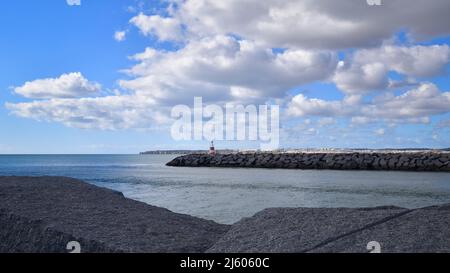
(43, 214)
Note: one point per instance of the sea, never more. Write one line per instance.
(226, 195)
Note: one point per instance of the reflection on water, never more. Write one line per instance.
(227, 195)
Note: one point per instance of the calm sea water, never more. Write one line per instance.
(227, 195)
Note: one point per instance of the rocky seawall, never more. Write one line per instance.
(44, 214)
(397, 161)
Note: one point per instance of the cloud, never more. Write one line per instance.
(120, 36)
(225, 68)
(165, 28)
(73, 2)
(413, 106)
(105, 113)
(426, 100)
(323, 122)
(359, 78)
(315, 23)
(70, 85)
(414, 61)
(380, 132)
(367, 70)
(220, 69)
(258, 51)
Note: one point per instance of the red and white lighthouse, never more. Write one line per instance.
(212, 150)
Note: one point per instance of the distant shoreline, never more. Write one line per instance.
(179, 152)
(305, 150)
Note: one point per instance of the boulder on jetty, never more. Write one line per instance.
(43, 214)
(436, 161)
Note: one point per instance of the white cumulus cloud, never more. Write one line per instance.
(315, 23)
(165, 28)
(415, 105)
(224, 68)
(73, 2)
(120, 36)
(367, 69)
(253, 51)
(70, 85)
(105, 113)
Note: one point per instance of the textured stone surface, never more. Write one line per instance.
(418, 231)
(435, 161)
(298, 229)
(341, 230)
(43, 214)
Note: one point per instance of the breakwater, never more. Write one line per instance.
(398, 161)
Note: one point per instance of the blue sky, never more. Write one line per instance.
(385, 89)
(56, 38)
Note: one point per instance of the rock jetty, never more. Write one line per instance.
(398, 161)
(44, 214)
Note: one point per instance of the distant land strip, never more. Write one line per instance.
(311, 150)
(180, 152)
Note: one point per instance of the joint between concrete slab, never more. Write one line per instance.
(371, 225)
